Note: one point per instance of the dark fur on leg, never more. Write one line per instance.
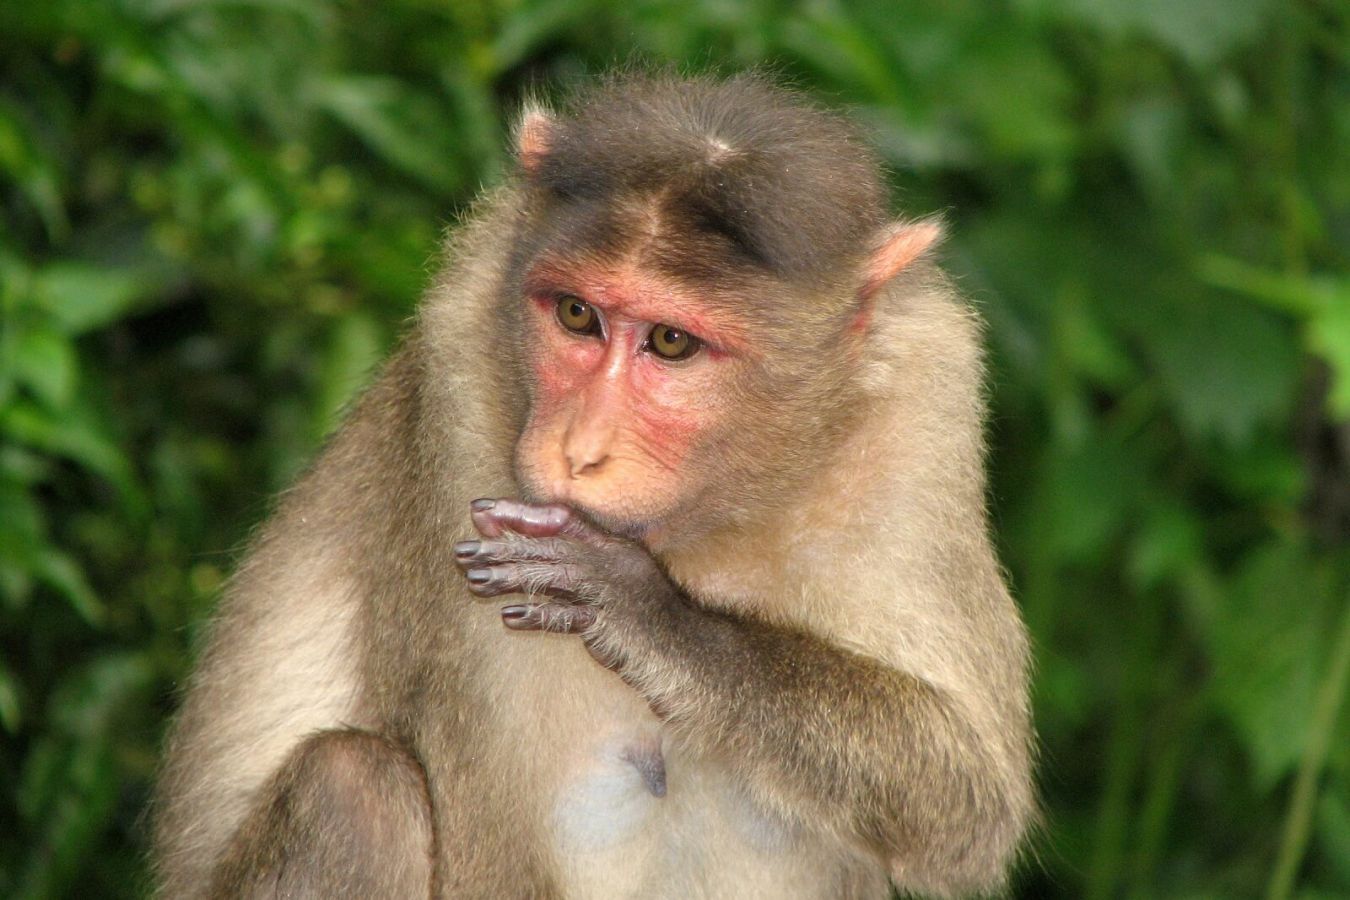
(346, 816)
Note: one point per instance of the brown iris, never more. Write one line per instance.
(671, 343)
(577, 315)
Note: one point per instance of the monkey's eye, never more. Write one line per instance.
(671, 343)
(577, 315)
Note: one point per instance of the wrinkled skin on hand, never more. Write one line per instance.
(593, 579)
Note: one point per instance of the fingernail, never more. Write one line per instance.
(482, 504)
(480, 576)
(467, 548)
(511, 613)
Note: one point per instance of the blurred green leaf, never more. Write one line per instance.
(46, 362)
(1267, 647)
(10, 710)
(1087, 492)
(1087, 344)
(72, 434)
(530, 23)
(313, 11)
(1333, 830)
(62, 572)
(35, 175)
(1169, 542)
(83, 296)
(1200, 29)
(836, 43)
(1017, 95)
(405, 128)
(70, 782)
(1329, 338)
(1226, 367)
(22, 538)
(1322, 304)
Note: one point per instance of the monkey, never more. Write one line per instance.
(655, 562)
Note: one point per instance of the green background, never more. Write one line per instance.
(216, 216)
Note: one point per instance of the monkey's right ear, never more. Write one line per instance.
(534, 138)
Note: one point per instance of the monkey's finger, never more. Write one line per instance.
(548, 617)
(493, 517)
(471, 554)
(559, 582)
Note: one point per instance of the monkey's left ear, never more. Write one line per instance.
(900, 245)
(534, 138)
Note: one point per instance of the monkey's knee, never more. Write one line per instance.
(347, 815)
(366, 782)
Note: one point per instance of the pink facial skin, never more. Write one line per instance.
(613, 424)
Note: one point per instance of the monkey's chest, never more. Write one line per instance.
(642, 819)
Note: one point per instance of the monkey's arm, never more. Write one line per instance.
(843, 741)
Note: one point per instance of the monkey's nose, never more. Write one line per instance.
(587, 442)
(586, 451)
(586, 464)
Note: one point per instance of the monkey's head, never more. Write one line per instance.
(692, 282)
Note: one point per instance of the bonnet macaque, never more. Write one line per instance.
(654, 563)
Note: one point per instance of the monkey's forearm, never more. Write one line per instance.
(855, 738)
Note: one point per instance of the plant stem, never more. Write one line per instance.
(1298, 820)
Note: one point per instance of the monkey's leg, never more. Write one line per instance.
(347, 815)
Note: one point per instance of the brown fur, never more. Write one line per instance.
(347, 815)
(842, 698)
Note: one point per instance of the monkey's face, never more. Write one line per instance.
(632, 387)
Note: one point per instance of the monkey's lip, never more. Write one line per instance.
(636, 529)
(619, 524)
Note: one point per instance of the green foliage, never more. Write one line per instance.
(217, 214)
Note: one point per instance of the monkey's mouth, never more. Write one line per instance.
(619, 523)
(613, 502)
(633, 529)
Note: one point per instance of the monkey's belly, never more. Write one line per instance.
(640, 820)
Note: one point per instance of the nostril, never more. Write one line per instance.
(583, 466)
(586, 446)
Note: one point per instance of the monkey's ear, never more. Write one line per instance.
(534, 138)
(900, 245)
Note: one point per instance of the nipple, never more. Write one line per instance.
(645, 756)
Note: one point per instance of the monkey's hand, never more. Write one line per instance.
(550, 551)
